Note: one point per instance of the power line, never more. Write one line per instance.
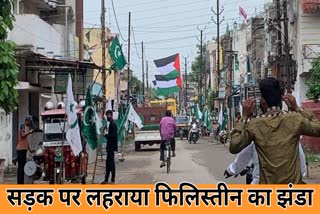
(115, 16)
(135, 43)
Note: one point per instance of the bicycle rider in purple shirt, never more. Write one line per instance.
(168, 130)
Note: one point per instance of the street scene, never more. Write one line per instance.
(138, 92)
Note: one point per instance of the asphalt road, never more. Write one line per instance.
(201, 163)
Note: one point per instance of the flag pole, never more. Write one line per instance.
(62, 147)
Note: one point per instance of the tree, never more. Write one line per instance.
(196, 75)
(212, 96)
(8, 65)
(313, 92)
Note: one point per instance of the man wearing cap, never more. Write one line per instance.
(24, 131)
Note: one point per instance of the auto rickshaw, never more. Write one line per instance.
(182, 126)
(74, 169)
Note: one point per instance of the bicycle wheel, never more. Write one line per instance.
(169, 160)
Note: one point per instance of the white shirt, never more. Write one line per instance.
(250, 153)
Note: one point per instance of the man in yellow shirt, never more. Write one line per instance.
(276, 135)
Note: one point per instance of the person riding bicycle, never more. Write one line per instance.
(168, 129)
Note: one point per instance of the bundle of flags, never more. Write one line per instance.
(169, 81)
(223, 117)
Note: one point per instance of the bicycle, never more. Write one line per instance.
(167, 154)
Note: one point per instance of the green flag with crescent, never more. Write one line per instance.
(116, 54)
(89, 126)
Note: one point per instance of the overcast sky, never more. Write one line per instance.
(166, 26)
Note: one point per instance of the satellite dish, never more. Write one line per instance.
(49, 106)
(61, 105)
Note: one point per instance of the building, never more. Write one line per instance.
(304, 29)
(93, 53)
(47, 50)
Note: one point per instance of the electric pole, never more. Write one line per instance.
(103, 43)
(147, 79)
(142, 50)
(186, 82)
(279, 40)
(218, 23)
(129, 76)
(201, 65)
(287, 61)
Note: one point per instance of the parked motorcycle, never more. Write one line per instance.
(194, 133)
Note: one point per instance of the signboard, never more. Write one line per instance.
(61, 82)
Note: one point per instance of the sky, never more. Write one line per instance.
(166, 27)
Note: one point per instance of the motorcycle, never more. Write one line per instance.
(223, 137)
(194, 135)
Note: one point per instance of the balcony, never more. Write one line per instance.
(30, 30)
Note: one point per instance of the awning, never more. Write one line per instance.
(25, 86)
(310, 6)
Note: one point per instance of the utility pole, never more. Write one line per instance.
(103, 43)
(129, 76)
(287, 60)
(147, 79)
(279, 40)
(142, 50)
(186, 82)
(218, 13)
(201, 65)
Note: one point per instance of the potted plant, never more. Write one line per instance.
(313, 103)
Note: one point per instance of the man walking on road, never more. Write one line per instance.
(111, 134)
(276, 135)
(168, 130)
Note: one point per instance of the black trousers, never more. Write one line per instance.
(163, 148)
(110, 167)
(22, 160)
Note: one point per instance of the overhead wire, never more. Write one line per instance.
(135, 43)
(115, 16)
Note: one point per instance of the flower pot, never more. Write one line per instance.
(312, 142)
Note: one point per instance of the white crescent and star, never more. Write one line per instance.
(87, 123)
(117, 52)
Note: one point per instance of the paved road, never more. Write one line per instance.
(200, 163)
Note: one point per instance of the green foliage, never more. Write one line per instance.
(313, 92)
(212, 96)
(195, 74)
(8, 65)
(136, 85)
(6, 18)
(153, 93)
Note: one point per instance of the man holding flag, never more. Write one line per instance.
(111, 134)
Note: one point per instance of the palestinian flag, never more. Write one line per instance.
(169, 67)
(167, 87)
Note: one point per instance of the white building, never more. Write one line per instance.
(39, 32)
(304, 19)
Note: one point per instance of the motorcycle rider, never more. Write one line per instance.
(168, 129)
(193, 121)
(249, 153)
